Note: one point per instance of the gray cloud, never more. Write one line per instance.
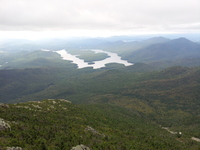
(128, 15)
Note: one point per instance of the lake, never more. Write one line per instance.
(113, 58)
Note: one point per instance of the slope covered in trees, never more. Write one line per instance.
(169, 97)
(179, 51)
(118, 107)
(59, 124)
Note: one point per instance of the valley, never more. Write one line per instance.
(57, 99)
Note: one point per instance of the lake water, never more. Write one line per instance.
(113, 58)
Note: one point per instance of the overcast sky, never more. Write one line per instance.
(32, 18)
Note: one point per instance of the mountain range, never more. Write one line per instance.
(159, 52)
(47, 103)
(168, 51)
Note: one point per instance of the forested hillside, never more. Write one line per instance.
(168, 97)
(49, 103)
(179, 51)
(59, 124)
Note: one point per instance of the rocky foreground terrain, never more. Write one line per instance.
(59, 124)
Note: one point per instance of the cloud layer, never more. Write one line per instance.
(115, 15)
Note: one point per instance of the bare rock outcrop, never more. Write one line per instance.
(195, 139)
(14, 148)
(95, 132)
(4, 125)
(81, 147)
(4, 105)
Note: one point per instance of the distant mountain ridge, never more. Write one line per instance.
(172, 50)
(156, 40)
(158, 51)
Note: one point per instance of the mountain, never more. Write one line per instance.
(168, 51)
(60, 124)
(155, 40)
(158, 51)
(122, 47)
(151, 93)
(14, 45)
(47, 103)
